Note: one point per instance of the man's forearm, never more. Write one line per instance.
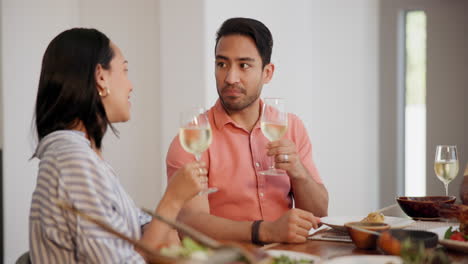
(310, 195)
(217, 227)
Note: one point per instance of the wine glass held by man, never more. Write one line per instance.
(257, 208)
(84, 89)
(274, 124)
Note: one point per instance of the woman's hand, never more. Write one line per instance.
(187, 182)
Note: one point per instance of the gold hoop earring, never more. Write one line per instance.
(104, 95)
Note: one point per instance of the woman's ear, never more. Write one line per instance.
(268, 71)
(101, 80)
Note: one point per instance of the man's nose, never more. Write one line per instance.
(232, 76)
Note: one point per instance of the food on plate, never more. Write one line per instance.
(191, 250)
(283, 259)
(460, 212)
(188, 249)
(374, 217)
(455, 234)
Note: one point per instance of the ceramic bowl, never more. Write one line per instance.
(423, 208)
(364, 240)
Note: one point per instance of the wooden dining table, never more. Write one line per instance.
(331, 249)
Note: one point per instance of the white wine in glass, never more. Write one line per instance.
(274, 124)
(273, 131)
(195, 135)
(195, 140)
(446, 164)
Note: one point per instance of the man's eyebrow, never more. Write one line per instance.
(221, 57)
(245, 59)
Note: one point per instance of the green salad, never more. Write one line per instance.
(187, 249)
(190, 249)
(283, 259)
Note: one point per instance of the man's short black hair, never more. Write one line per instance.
(252, 28)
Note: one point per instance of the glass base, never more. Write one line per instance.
(208, 191)
(273, 172)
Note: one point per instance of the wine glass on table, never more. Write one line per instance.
(446, 164)
(195, 135)
(274, 124)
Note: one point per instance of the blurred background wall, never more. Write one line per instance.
(327, 60)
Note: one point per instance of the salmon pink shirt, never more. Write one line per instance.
(234, 160)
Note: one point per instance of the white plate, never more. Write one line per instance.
(338, 222)
(293, 255)
(451, 244)
(365, 260)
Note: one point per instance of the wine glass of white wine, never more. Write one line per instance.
(274, 124)
(195, 135)
(446, 164)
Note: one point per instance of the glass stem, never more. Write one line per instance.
(198, 157)
(272, 167)
(446, 188)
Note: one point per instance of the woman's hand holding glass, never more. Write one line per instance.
(195, 136)
(188, 181)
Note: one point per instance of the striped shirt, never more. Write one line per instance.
(70, 171)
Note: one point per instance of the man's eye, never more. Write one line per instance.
(244, 66)
(221, 64)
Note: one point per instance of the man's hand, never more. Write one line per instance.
(286, 157)
(292, 227)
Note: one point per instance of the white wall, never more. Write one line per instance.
(134, 27)
(182, 77)
(447, 79)
(27, 28)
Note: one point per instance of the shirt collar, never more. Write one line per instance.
(221, 117)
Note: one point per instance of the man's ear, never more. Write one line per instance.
(268, 71)
(101, 79)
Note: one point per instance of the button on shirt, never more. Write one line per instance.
(234, 160)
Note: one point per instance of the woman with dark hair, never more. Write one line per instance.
(83, 89)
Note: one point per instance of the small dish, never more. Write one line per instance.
(424, 207)
(429, 239)
(390, 242)
(362, 239)
(337, 222)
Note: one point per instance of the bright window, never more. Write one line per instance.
(415, 103)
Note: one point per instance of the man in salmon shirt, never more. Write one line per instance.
(250, 206)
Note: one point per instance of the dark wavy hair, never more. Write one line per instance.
(67, 90)
(253, 29)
